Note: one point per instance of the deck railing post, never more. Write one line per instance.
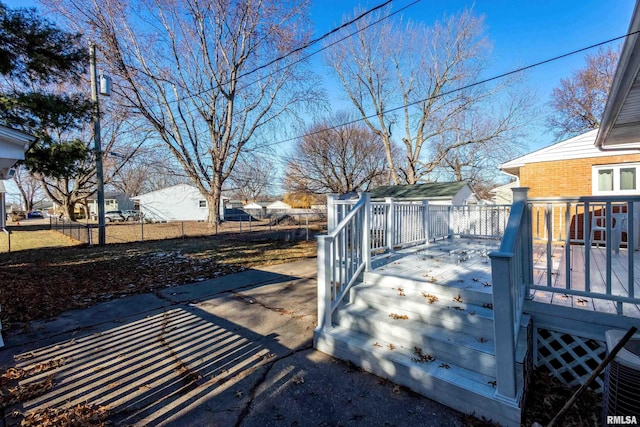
(390, 224)
(425, 220)
(331, 212)
(520, 194)
(503, 315)
(366, 231)
(324, 284)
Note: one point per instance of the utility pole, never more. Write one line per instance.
(97, 144)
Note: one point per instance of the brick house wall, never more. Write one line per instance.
(566, 178)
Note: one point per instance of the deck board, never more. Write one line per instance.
(438, 261)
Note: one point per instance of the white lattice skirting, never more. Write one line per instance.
(570, 358)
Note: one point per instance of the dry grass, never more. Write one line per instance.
(42, 283)
(23, 240)
(134, 232)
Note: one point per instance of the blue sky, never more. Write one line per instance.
(522, 33)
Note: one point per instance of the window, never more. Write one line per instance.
(627, 179)
(616, 179)
(202, 203)
(605, 180)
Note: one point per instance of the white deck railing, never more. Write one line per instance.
(342, 255)
(598, 225)
(511, 271)
(345, 252)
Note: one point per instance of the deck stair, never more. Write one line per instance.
(434, 338)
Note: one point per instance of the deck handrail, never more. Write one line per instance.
(587, 222)
(343, 254)
(511, 272)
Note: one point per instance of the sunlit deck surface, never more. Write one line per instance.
(459, 262)
(598, 261)
(464, 263)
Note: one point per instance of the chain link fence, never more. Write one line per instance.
(283, 226)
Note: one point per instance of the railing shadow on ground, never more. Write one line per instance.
(176, 362)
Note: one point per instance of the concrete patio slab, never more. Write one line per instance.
(235, 350)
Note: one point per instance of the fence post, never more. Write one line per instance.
(366, 231)
(306, 220)
(503, 312)
(331, 212)
(389, 225)
(324, 283)
(521, 195)
(425, 220)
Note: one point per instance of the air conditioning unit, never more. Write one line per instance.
(622, 379)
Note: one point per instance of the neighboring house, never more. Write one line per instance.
(576, 167)
(113, 201)
(503, 195)
(13, 145)
(437, 193)
(278, 205)
(44, 206)
(256, 205)
(256, 209)
(180, 202)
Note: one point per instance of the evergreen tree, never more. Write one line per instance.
(36, 59)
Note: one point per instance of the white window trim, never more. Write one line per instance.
(616, 179)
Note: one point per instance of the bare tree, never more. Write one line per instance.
(141, 168)
(578, 102)
(337, 158)
(28, 186)
(80, 182)
(211, 78)
(404, 77)
(252, 178)
(488, 145)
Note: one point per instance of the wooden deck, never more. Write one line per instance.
(619, 278)
(464, 263)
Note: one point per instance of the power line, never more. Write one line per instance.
(468, 86)
(276, 71)
(288, 54)
(304, 58)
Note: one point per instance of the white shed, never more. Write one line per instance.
(437, 193)
(182, 202)
(278, 205)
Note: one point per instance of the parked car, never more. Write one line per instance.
(35, 214)
(110, 216)
(131, 215)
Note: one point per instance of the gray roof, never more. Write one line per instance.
(419, 191)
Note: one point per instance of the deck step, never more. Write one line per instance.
(467, 289)
(472, 353)
(432, 309)
(445, 382)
